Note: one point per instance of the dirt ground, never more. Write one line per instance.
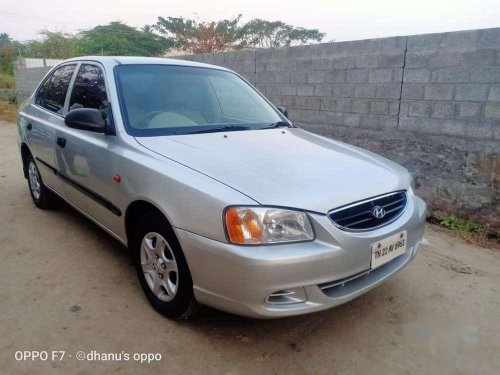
(68, 286)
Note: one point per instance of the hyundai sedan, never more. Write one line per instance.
(221, 199)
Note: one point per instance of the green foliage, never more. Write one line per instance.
(6, 54)
(115, 38)
(53, 44)
(119, 39)
(6, 81)
(189, 35)
(260, 33)
(455, 223)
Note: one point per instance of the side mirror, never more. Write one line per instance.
(89, 119)
(283, 110)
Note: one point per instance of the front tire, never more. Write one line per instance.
(162, 268)
(42, 197)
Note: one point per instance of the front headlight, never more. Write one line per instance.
(265, 225)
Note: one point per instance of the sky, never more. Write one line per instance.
(340, 20)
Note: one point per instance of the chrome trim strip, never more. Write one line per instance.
(364, 201)
(283, 293)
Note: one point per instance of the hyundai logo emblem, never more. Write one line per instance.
(378, 212)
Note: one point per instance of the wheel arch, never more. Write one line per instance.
(135, 212)
(25, 152)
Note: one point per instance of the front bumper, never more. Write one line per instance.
(238, 279)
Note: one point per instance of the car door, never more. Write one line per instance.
(83, 157)
(44, 116)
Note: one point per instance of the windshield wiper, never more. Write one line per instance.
(279, 124)
(221, 129)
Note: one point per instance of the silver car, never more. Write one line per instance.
(221, 199)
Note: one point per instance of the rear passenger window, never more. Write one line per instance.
(89, 90)
(52, 93)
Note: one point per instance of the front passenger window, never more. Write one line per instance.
(89, 90)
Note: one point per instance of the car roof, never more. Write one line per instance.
(138, 60)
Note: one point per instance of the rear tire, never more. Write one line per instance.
(162, 268)
(41, 196)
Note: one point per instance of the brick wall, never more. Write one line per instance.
(429, 102)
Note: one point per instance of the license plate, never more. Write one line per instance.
(387, 249)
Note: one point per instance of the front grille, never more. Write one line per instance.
(359, 216)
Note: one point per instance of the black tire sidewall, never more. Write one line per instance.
(44, 201)
(182, 305)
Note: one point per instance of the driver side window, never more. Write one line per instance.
(89, 90)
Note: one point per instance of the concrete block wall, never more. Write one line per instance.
(354, 84)
(429, 102)
(242, 62)
(27, 79)
(451, 84)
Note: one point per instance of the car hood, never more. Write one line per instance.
(285, 167)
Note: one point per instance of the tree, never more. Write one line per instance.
(117, 38)
(6, 54)
(188, 35)
(260, 33)
(53, 44)
(194, 36)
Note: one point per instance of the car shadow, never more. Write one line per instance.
(279, 338)
(70, 214)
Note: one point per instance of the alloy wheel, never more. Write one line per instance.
(159, 266)
(34, 179)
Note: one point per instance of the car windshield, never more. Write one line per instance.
(167, 100)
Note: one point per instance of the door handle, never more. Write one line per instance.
(61, 142)
(29, 126)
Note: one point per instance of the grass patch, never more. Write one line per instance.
(8, 111)
(458, 224)
(6, 81)
(466, 229)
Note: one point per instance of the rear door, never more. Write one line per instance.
(44, 117)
